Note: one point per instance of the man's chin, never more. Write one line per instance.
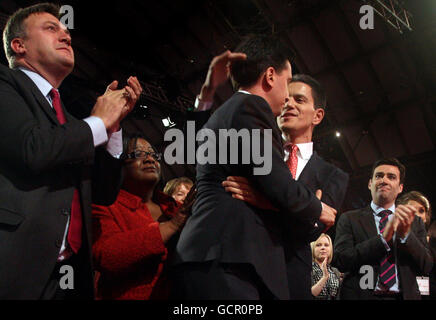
(68, 66)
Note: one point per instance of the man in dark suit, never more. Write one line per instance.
(304, 111)
(229, 249)
(382, 247)
(50, 168)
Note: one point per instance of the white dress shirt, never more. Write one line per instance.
(305, 151)
(114, 143)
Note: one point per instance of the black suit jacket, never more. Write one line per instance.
(41, 164)
(317, 174)
(231, 231)
(357, 243)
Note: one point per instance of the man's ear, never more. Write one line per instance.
(17, 45)
(270, 74)
(369, 184)
(318, 116)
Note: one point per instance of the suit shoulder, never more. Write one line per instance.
(5, 73)
(240, 99)
(355, 213)
(245, 106)
(329, 166)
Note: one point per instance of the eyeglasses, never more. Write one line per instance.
(138, 154)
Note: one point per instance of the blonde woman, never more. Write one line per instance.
(326, 280)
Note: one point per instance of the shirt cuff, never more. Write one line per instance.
(115, 144)
(403, 240)
(202, 105)
(98, 129)
(385, 244)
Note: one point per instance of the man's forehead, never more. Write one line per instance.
(386, 168)
(300, 88)
(44, 17)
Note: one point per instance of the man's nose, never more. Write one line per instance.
(149, 158)
(65, 36)
(286, 101)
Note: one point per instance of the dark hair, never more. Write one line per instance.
(172, 185)
(420, 198)
(262, 52)
(15, 26)
(391, 162)
(130, 140)
(318, 93)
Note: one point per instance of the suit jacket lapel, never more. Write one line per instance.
(306, 175)
(367, 221)
(42, 101)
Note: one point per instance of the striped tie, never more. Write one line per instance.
(387, 266)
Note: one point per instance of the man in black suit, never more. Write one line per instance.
(382, 247)
(50, 168)
(229, 249)
(304, 111)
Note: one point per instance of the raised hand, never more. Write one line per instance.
(115, 103)
(325, 271)
(218, 73)
(405, 214)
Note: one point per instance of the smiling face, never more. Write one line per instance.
(322, 249)
(181, 192)
(299, 117)
(385, 185)
(46, 47)
(142, 170)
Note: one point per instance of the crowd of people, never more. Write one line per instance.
(83, 193)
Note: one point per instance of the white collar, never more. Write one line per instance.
(243, 91)
(305, 150)
(43, 85)
(377, 209)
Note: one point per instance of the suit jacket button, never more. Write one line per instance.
(65, 212)
(58, 243)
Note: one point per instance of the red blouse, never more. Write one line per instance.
(128, 251)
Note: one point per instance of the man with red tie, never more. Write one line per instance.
(297, 121)
(52, 165)
(382, 247)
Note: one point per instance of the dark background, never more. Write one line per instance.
(380, 83)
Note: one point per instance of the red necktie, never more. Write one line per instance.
(292, 160)
(74, 236)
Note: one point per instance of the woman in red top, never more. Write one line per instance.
(133, 235)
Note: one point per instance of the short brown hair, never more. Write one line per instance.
(391, 162)
(263, 51)
(15, 27)
(173, 184)
(318, 93)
